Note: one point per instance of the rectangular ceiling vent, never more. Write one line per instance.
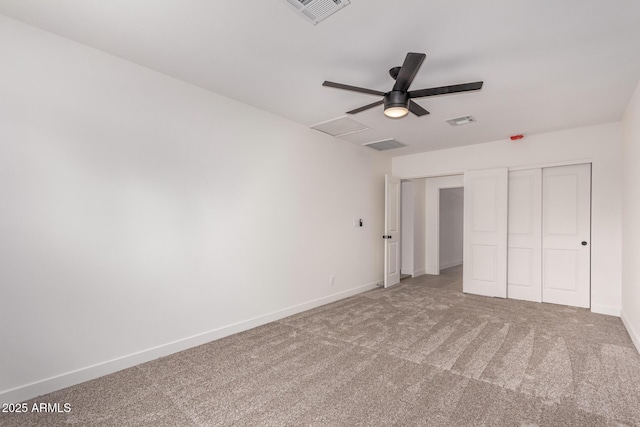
(340, 127)
(385, 144)
(459, 121)
(315, 11)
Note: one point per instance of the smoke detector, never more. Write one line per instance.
(315, 11)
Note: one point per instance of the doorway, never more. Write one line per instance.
(450, 231)
(432, 232)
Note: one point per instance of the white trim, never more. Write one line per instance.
(634, 334)
(38, 388)
(552, 164)
(511, 168)
(433, 175)
(605, 309)
(450, 264)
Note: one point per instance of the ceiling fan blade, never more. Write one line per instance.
(408, 71)
(465, 87)
(366, 107)
(353, 88)
(417, 109)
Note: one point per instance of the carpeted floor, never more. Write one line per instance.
(420, 353)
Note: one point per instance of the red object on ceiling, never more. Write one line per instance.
(516, 137)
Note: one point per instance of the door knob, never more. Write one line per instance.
(584, 243)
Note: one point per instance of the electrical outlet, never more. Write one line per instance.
(332, 280)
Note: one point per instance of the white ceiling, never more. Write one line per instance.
(546, 64)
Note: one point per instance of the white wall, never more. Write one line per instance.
(631, 219)
(141, 215)
(451, 227)
(601, 145)
(432, 218)
(419, 227)
(407, 235)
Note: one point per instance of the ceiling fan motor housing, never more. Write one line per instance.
(396, 98)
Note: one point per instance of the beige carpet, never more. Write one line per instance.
(420, 353)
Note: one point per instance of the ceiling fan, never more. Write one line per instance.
(399, 101)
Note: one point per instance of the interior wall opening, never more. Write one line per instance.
(432, 211)
(450, 233)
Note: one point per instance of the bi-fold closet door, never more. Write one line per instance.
(545, 233)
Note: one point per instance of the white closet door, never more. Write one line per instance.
(524, 271)
(485, 232)
(566, 222)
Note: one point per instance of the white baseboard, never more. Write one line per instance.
(605, 309)
(633, 333)
(450, 264)
(48, 385)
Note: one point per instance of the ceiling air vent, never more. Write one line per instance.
(385, 144)
(340, 127)
(459, 121)
(315, 11)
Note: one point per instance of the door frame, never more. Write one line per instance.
(432, 249)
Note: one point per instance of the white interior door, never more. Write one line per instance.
(485, 232)
(391, 231)
(566, 239)
(524, 255)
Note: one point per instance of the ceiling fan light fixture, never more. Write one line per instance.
(396, 104)
(396, 112)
